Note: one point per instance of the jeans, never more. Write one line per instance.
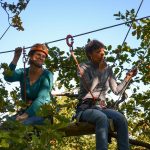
(34, 120)
(99, 117)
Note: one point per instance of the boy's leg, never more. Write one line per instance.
(99, 119)
(121, 126)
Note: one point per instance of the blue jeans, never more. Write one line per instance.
(99, 117)
(34, 120)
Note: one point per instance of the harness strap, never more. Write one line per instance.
(24, 62)
(76, 61)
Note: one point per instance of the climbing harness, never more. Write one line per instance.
(70, 44)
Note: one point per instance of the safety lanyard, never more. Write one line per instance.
(24, 66)
(70, 44)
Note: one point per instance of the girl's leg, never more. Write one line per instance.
(35, 120)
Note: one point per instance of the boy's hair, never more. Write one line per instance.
(93, 45)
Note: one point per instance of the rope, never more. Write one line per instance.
(123, 94)
(77, 64)
(24, 62)
(129, 29)
(108, 27)
(132, 23)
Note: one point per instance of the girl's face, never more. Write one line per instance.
(97, 55)
(38, 58)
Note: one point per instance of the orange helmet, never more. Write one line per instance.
(39, 47)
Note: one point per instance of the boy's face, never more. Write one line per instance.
(97, 55)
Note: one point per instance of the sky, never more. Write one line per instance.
(45, 21)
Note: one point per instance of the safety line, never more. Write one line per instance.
(84, 33)
(5, 31)
(132, 23)
(129, 30)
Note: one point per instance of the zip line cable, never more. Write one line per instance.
(132, 23)
(85, 33)
(8, 21)
(129, 30)
(123, 94)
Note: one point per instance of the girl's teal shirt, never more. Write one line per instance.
(38, 92)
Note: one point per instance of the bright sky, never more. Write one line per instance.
(45, 21)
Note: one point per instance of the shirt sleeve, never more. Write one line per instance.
(116, 88)
(16, 74)
(43, 96)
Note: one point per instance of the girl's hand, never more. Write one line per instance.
(18, 52)
(17, 55)
(22, 117)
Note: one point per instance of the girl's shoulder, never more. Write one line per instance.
(47, 73)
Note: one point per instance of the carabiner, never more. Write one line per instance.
(24, 55)
(70, 44)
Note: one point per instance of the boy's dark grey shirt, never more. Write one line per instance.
(98, 82)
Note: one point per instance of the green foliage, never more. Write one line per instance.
(13, 10)
(5, 105)
(6, 68)
(65, 65)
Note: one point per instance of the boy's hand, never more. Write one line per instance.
(131, 74)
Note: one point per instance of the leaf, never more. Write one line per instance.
(111, 59)
(116, 15)
(134, 33)
(4, 143)
(134, 25)
(109, 47)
